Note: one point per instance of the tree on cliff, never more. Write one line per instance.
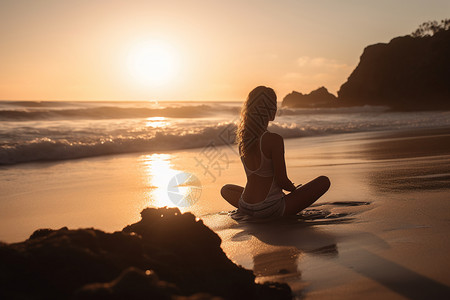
(431, 27)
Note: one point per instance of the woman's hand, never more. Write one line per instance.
(292, 187)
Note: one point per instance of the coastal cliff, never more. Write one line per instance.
(408, 73)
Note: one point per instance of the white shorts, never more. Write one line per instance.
(265, 209)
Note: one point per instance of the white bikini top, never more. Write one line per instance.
(265, 168)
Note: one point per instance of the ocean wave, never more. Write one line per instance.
(111, 112)
(51, 149)
(34, 111)
(54, 149)
(284, 111)
(52, 141)
(36, 103)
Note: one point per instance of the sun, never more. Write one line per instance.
(152, 62)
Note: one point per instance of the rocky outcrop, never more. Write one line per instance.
(167, 255)
(317, 98)
(408, 73)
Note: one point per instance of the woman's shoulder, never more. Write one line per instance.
(273, 139)
(272, 136)
(273, 142)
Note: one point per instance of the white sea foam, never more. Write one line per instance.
(40, 131)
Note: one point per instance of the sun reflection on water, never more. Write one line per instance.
(159, 178)
(157, 122)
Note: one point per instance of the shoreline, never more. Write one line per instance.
(381, 230)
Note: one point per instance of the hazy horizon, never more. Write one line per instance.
(191, 51)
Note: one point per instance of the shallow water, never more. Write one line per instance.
(386, 208)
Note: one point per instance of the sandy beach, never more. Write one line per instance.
(381, 230)
(120, 123)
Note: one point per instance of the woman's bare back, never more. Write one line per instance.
(257, 187)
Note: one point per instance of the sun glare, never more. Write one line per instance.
(158, 172)
(152, 62)
(157, 122)
(167, 186)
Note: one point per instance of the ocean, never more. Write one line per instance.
(99, 164)
(33, 131)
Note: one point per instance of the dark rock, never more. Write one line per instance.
(317, 98)
(92, 264)
(408, 73)
(133, 283)
(43, 232)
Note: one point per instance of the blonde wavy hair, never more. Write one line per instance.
(259, 108)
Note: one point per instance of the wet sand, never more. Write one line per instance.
(381, 230)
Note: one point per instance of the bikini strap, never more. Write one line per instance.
(260, 141)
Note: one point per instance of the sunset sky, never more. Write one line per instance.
(191, 50)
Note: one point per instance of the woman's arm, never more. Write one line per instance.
(279, 163)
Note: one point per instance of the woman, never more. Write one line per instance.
(262, 154)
